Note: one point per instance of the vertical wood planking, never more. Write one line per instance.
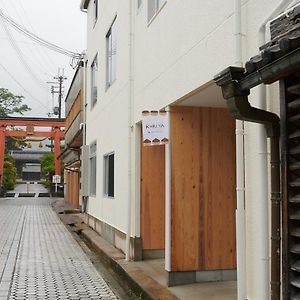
(185, 184)
(203, 189)
(153, 197)
(220, 194)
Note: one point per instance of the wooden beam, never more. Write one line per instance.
(21, 133)
(33, 122)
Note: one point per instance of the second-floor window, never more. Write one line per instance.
(94, 71)
(95, 8)
(153, 7)
(111, 50)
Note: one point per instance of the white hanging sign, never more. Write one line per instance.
(155, 128)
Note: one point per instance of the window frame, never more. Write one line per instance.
(94, 87)
(111, 65)
(106, 176)
(93, 177)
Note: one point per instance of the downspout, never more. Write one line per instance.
(168, 198)
(84, 198)
(240, 173)
(263, 187)
(130, 129)
(84, 97)
(237, 102)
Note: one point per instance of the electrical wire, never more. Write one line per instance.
(37, 39)
(18, 83)
(49, 60)
(20, 55)
(32, 47)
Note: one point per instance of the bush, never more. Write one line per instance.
(9, 173)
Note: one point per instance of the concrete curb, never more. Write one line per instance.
(134, 278)
(138, 281)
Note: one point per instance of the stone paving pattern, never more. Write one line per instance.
(39, 258)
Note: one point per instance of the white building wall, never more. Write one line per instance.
(107, 121)
(180, 50)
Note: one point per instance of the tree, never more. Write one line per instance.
(10, 103)
(48, 167)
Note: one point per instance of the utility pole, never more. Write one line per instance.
(60, 78)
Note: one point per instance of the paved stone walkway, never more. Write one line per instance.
(39, 259)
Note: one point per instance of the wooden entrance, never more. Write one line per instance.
(153, 197)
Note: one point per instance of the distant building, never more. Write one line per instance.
(25, 158)
(31, 172)
(73, 139)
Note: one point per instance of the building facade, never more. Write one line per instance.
(181, 201)
(73, 139)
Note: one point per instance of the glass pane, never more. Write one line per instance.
(113, 52)
(109, 55)
(111, 180)
(93, 175)
(94, 69)
(151, 9)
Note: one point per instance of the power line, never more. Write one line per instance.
(32, 47)
(20, 54)
(37, 39)
(22, 87)
(44, 54)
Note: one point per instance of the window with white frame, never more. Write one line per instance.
(95, 8)
(111, 54)
(93, 168)
(94, 71)
(109, 173)
(153, 7)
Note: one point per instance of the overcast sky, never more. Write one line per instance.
(25, 66)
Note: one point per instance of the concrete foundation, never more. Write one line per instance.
(115, 237)
(179, 278)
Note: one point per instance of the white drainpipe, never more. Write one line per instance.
(263, 210)
(240, 173)
(263, 218)
(130, 129)
(168, 199)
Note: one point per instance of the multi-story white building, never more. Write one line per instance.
(178, 201)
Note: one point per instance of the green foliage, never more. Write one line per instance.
(10, 144)
(9, 173)
(10, 103)
(48, 167)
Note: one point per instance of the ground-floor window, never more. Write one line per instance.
(93, 168)
(109, 180)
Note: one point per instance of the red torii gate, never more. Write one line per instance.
(56, 133)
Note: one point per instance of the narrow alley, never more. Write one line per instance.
(39, 258)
